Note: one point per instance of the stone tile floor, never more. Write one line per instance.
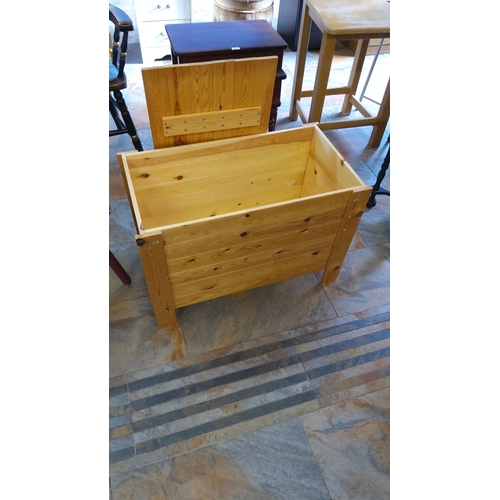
(282, 392)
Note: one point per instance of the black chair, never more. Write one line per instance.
(117, 106)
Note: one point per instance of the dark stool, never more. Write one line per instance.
(202, 42)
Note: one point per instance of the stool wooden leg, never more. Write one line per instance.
(357, 67)
(383, 118)
(300, 62)
(322, 74)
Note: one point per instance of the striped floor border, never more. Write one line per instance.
(164, 414)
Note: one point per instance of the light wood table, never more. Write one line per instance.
(360, 20)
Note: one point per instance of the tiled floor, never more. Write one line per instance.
(281, 392)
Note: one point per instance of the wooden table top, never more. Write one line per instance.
(220, 37)
(352, 17)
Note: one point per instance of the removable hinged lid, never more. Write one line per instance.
(200, 102)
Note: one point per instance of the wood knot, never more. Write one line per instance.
(144, 176)
(244, 233)
(179, 178)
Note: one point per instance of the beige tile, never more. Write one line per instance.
(351, 441)
(135, 342)
(363, 282)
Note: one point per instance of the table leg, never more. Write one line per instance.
(303, 43)
(357, 67)
(272, 118)
(322, 74)
(383, 118)
(175, 58)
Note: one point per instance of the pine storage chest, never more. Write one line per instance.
(221, 217)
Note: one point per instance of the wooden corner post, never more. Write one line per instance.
(349, 224)
(154, 262)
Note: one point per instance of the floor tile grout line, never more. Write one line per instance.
(345, 345)
(266, 387)
(217, 424)
(266, 367)
(243, 355)
(224, 422)
(309, 374)
(305, 375)
(278, 416)
(140, 404)
(236, 396)
(355, 342)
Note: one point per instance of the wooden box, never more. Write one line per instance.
(221, 217)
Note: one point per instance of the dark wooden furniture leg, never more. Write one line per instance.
(122, 106)
(380, 177)
(118, 269)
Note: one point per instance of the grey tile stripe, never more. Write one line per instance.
(348, 363)
(146, 402)
(264, 388)
(164, 397)
(346, 344)
(150, 423)
(251, 353)
(243, 416)
(118, 456)
(336, 330)
(118, 390)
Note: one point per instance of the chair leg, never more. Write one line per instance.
(120, 102)
(118, 269)
(380, 177)
(115, 114)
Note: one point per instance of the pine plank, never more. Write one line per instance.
(148, 161)
(211, 121)
(255, 223)
(210, 204)
(200, 258)
(246, 279)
